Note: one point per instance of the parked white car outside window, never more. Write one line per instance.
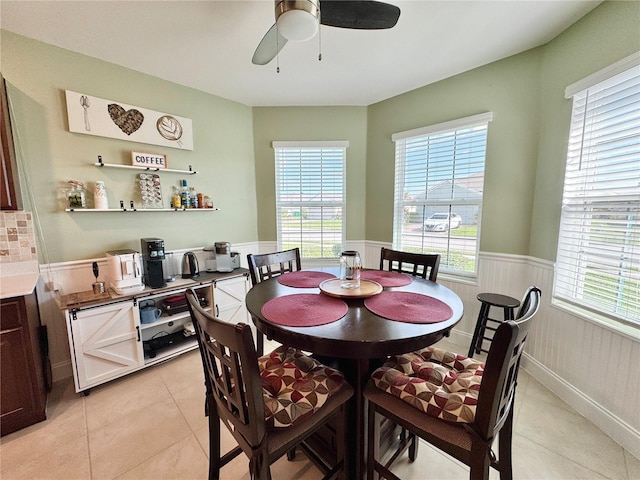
(440, 222)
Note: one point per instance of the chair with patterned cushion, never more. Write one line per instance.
(270, 404)
(424, 265)
(456, 403)
(268, 265)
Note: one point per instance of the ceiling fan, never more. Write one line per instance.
(299, 20)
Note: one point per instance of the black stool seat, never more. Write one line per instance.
(488, 300)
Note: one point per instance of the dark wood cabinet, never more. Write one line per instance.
(22, 386)
(10, 198)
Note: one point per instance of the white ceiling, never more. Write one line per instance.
(208, 45)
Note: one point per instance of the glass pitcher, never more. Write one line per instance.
(350, 266)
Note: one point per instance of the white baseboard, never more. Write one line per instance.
(61, 371)
(623, 433)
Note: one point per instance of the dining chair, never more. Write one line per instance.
(268, 265)
(270, 404)
(456, 403)
(423, 265)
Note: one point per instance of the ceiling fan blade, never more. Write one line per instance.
(269, 46)
(364, 15)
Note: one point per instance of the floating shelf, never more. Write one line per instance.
(147, 169)
(141, 210)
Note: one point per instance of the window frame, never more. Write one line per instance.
(456, 127)
(310, 146)
(575, 265)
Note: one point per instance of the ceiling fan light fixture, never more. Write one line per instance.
(297, 20)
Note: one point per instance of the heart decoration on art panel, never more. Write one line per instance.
(128, 121)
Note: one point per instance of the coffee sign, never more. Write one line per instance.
(148, 160)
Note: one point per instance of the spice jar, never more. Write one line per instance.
(350, 266)
(76, 194)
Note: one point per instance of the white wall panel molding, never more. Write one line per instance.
(619, 430)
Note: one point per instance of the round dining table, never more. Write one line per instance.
(359, 340)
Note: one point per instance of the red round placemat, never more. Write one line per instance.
(386, 279)
(304, 278)
(304, 310)
(409, 307)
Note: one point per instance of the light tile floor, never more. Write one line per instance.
(151, 425)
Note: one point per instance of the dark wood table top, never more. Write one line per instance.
(360, 333)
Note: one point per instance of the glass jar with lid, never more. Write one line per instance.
(350, 267)
(76, 194)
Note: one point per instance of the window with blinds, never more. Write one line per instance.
(439, 178)
(598, 258)
(310, 197)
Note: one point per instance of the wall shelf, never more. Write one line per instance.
(100, 163)
(74, 210)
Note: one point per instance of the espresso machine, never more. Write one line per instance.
(124, 272)
(152, 259)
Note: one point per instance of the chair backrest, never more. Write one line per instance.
(423, 265)
(268, 265)
(497, 390)
(231, 373)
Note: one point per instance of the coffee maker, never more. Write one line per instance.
(152, 257)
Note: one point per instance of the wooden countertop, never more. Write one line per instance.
(88, 298)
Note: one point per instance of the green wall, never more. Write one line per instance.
(525, 155)
(311, 123)
(507, 88)
(38, 75)
(609, 33)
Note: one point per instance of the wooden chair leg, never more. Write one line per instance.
(480, 461)
(413, 448)
(259, 343)
(291, 454)
(341, 438)
(505, 438)
(214, 443)
(373, 440)
(259, 467)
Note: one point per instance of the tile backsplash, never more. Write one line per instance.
(17, 237)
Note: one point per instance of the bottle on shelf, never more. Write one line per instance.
(201, 200)
(176, 199)
(186, 195)
(194, 198)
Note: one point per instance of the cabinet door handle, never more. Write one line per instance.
(217, 311)
(138, 332)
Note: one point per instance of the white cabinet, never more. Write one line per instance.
(105, 341)
(229, 297)
(108, 340)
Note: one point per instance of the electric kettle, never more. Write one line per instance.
(190, 265)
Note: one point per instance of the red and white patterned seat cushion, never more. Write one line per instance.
(295, 385)
(442, 384)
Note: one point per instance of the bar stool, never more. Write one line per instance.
(488, 300)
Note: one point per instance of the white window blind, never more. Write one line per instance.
(598, 258)
(439, 179)
(310, 197)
